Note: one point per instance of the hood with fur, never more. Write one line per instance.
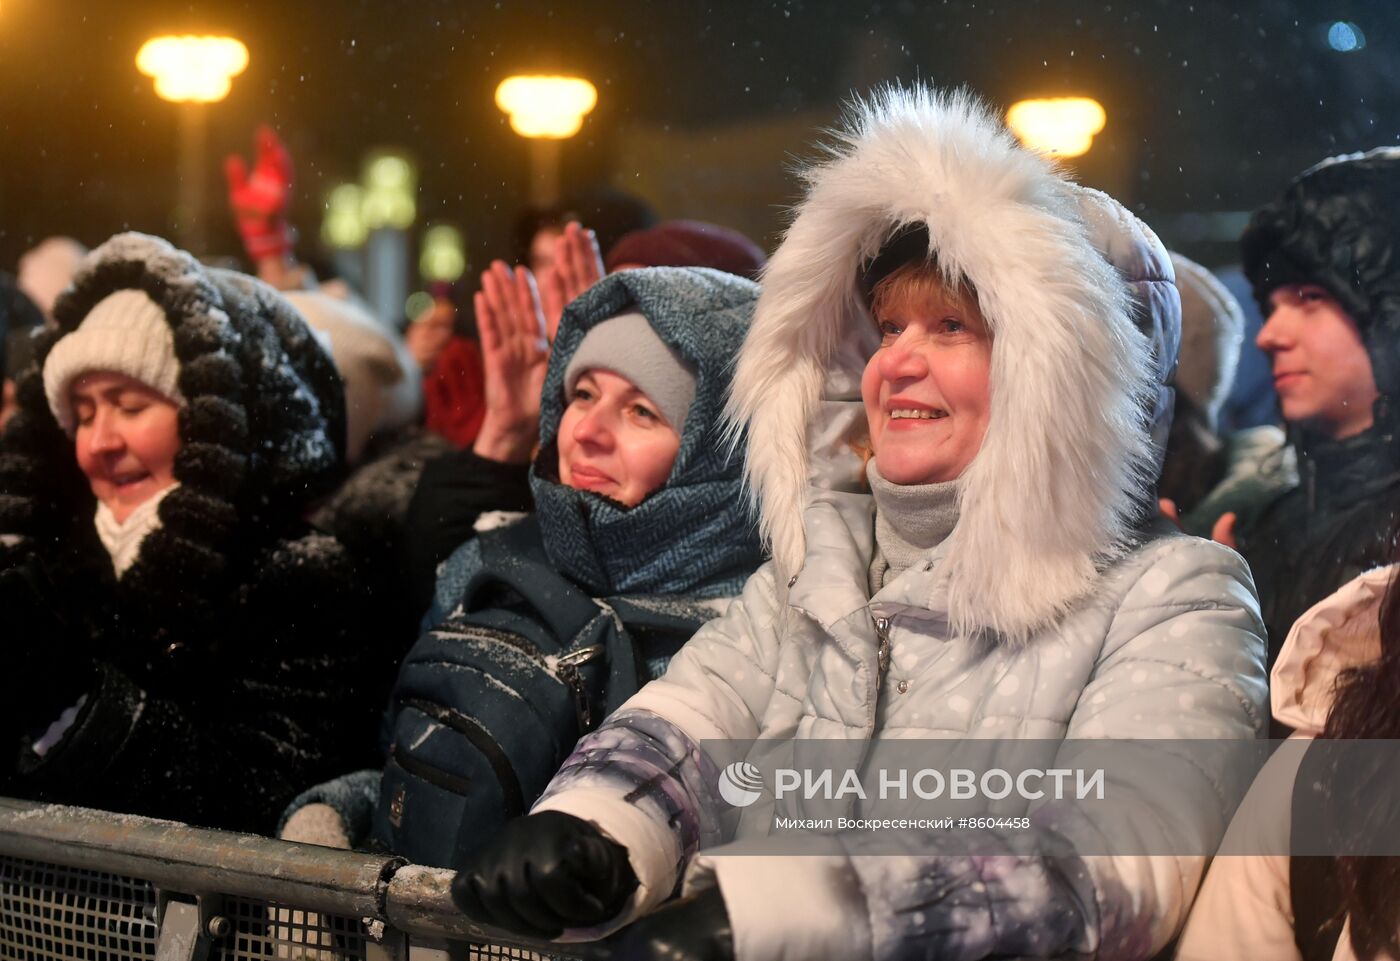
(1085, 319)
(262, 432)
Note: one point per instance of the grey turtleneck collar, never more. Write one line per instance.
(910, 521)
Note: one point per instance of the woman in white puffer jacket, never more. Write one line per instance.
(1000, 577)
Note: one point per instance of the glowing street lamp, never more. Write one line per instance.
(1062, 126)
(192, 71)
(551, 107)
(546, 110)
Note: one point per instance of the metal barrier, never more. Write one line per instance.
(96, 886)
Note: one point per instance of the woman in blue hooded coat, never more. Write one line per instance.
(539, 629)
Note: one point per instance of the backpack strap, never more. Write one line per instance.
(514, 557)
(597, 657)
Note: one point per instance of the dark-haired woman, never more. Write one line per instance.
(1337, 677)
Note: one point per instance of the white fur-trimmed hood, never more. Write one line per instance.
(1078, 389)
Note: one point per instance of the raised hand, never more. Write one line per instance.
(514, 356)
(259, 200)
(430, 333)
(578, 265)
(1223, 531)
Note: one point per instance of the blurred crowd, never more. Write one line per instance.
(971, 455)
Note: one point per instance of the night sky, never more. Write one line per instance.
(1212, 107)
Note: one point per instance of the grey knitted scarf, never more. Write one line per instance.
(910, 521)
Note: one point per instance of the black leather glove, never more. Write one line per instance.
(693, 929)
(544, 873)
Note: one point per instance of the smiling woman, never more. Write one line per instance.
(613, 440)
(111, 385)
(999, 577)
(927, 390)
(628, 395)
(173, 627)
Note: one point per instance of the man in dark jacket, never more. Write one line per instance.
(1324, 262)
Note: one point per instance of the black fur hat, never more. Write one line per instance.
(1338, 226)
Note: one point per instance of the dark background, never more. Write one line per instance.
(703, 106)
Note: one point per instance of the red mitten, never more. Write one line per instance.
(260, 201)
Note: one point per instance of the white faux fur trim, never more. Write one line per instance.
(1065, 464)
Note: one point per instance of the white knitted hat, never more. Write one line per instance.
(627, 345)
(127, 333)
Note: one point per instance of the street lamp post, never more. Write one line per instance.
(546, 111)
(388, 208)
(192, 71)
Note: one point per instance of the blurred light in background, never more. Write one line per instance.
(390, 184)
(1062, 126)
(192, 69)
(443, 256)
(1345, 37)
(344, 224)
(552, 107)
(417, 302)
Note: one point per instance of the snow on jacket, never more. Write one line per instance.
(1048, 612)
(227, 669)
(1245, 909)
(664, 566)
(383, 385)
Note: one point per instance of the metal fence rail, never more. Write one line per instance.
(92, 885)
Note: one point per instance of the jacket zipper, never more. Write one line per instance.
(480, 738)
(568, 666)
(882, 651)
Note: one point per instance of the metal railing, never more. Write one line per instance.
(92, 885)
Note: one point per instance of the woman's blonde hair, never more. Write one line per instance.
(921, 279)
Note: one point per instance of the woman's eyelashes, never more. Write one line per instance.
(890, 330)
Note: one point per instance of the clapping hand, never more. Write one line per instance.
(578, 265)
(514, 357)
